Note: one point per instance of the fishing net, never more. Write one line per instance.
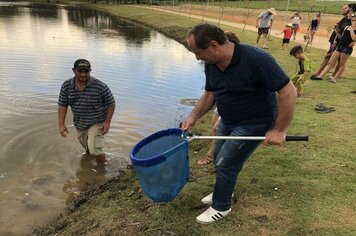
(161, 164)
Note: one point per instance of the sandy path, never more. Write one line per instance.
(236, 18)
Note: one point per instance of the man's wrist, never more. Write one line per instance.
(278, 129)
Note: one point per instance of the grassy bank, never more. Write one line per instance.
(296, 189)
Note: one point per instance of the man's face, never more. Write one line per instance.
(82, 74)
(345, 10)
(206, 55)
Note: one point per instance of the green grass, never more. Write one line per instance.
(300, 188)
(325, 6)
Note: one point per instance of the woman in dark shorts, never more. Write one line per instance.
(314, 25)
(342, 52)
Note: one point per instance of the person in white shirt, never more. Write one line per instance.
(296, 18)
(263, 23)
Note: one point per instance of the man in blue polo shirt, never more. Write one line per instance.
(92, 105)
(242, 80)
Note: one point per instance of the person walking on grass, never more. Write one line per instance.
(342, 52)
(92, 105)
(209, 157)
(304, 63)
(263, 23)
(296, 18)
(314, 25)
(346, 11)
(287, 34)
(242, 81)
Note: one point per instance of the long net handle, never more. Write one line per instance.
(247, 138)
(297, 138)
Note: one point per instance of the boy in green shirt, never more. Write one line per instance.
(304, 62)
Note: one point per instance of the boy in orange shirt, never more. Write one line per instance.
(288, 31)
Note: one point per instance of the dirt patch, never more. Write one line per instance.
(123, 186)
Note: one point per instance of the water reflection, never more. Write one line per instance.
(46, 11)
(9, 11)
(89, 172)
(97, 22)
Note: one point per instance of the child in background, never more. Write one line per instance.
(288, 31)
(304, 62)
(209, 157)
(314, 25)
(296, 18)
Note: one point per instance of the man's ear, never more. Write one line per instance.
(214, 44)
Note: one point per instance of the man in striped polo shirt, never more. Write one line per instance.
(92, 105)
(243, 81)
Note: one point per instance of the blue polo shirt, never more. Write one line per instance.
(89, 106)
(245, 91)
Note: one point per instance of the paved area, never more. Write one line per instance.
(318, 42)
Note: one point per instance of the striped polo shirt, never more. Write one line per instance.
(89, 106)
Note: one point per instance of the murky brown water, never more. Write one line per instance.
(148, 74)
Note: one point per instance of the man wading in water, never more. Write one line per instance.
(92, 105)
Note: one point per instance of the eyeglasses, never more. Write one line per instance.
(83, 70)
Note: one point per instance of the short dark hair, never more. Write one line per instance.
(295, 50)
(204, 33)
(352, 6)
(232, 37)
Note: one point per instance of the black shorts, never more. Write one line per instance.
(263, 30)
(295, 26)
(285, 41)
(313, 28)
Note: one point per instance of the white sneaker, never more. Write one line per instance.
(211, 215)
(208, 200)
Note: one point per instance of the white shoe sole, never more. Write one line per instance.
(211, 215)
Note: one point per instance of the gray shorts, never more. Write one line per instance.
(92, 139)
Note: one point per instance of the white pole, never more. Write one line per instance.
(284, 21)
(244, 138)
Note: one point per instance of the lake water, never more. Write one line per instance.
(148, 73)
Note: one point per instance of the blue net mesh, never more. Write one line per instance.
(161, 164)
